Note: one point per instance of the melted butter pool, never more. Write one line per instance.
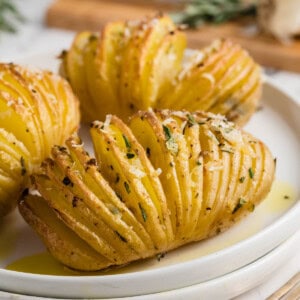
(281, 197)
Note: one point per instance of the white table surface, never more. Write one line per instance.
(34, 38)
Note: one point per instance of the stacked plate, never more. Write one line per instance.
(222, 267)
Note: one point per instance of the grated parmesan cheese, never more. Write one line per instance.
(107, 120)
(10, 102)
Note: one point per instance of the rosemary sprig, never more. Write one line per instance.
(199, 12)
(8, 15)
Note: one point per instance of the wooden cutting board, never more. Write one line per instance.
(93, 14)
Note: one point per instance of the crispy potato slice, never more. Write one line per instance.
(119, 154)
(170, 178)
(18, 114)
(112, 228)
(61, 242)
(145, 39)
(150, 134)
(106, 67)
(101, 188)
(216, 75)
(137, 65)
(75, 72)
(14, 167)
(38, 110)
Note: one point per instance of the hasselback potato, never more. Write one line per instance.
(166, 179)
(38, 110)
(144, 64)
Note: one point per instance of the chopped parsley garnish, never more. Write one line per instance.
(227, 150)
(127, 143)
(92, 38)
(239, 205)
(228, 129)
(143, 212)
(114, 210)
(170, 142)
(119, 196)
(242, 179)
(251, 173)
(127, 187)
(159, 256)
(191, 120)
(121, 237)
(251, 207)
(167, 132)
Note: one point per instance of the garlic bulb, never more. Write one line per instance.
(279, 18)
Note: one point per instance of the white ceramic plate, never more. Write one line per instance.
(278, 125)
(228, 286)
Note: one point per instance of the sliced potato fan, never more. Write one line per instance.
(166, 179)
(38, 110)
(143, 64)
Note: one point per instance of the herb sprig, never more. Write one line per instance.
(199, 12)
(9, 14)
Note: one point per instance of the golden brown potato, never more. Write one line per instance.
(38, 110)
(137, 65)
(166, 179)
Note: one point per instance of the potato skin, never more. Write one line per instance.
(38, 110)
(166, 179)
(142, 64)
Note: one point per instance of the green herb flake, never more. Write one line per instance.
(170, 142)
(242, 179)
(239, 205)
(9, 16)
(191, 120)
(286, 197)
(227, 150)
(130, 155)
(228, 130)
(93, 38)
(251, 173)
(167, 132)
(159, 256)
(198, 163)
(126, 141)
(127, 187)
(251, 207)
(23, 168)
(143, 212)
(119, 196)
(199, 12)
(121, 237)
(114, 210)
